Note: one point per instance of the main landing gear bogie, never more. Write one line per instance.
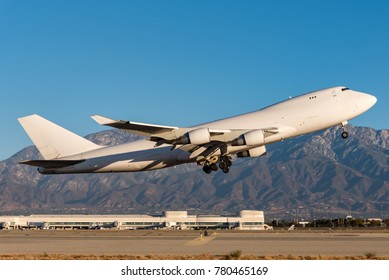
(208, 168)
(224, 165)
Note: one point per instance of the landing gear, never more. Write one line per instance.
(344, 132)
(227, 160)
(213, 166)
(207, 169)
(224, 165)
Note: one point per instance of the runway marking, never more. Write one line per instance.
(201, 240)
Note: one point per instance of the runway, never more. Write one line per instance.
(157, 242)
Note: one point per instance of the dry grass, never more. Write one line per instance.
(234, 255)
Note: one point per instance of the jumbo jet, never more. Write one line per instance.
(210, 145)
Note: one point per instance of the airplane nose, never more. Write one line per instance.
(365, 101)
(370, 100)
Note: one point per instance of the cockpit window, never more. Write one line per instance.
(345, 88)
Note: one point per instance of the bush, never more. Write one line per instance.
(234, 255)
(370, 255)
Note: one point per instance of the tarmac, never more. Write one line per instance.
(168, 242)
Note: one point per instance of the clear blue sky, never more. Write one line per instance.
(182, 62)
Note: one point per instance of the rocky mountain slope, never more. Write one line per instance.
(312, 176)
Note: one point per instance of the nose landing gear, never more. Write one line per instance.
(344, 132)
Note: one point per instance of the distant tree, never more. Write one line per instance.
(339, 222)
(358, 222)
(374, 223)
(279, 223)
(322, 223)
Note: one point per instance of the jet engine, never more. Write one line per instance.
(251, 138)
(197, 137)
(254, 152)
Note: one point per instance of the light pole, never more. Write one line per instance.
(382, 215)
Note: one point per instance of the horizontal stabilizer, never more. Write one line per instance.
(51, 163)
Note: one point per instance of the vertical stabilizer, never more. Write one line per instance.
(53, 141)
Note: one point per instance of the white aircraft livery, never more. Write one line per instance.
(210, 145)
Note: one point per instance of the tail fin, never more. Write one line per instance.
(52, 140)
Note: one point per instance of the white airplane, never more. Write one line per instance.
(210, 145)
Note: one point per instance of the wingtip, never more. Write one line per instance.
(102, 120)
(28, 117)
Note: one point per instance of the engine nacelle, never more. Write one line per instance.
(254, 152)
(197, 137)
(251, 138)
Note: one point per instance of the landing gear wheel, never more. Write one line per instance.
(344, 132)
(226, 169)
(222, 165)
(225, 163)
(213, 167)
(207, 169)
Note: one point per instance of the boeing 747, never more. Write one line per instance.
(210, 145)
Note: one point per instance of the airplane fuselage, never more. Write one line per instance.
(293, 117)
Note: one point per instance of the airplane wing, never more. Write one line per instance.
(201, 142)
(155, 132)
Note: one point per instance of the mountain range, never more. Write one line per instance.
(319, 175)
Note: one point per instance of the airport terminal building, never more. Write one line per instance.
(245, 220)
